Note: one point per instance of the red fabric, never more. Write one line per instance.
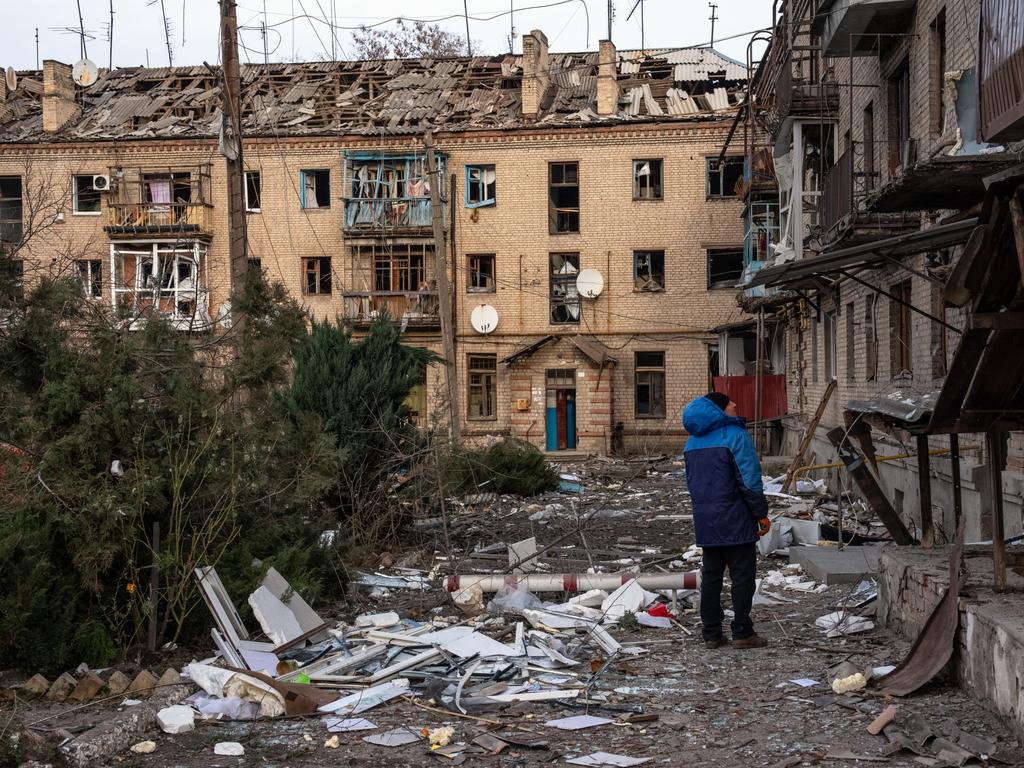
(659, 609)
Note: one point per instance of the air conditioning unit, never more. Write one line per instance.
(101, 183)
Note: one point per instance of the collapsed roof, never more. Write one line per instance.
(388, 97)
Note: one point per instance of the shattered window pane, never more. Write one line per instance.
(483, 386)
(565, 297)
(649, 371)
(722, 177)
(253, 191)
(481, 184)
(316, 188)
(90, 274)
(725, 267)
(649, 270)
(647, 180)
(564, 198)
(10, 209)
(317, 275)
(481, 272)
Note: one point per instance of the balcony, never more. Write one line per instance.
(847, 26)
(837, 203)
(393, 216)
(800, 96)
(161, 279)
(417, 310)
(1001, 70)
(156, 219)
(387, 195)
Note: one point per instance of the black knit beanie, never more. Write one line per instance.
(719, 399)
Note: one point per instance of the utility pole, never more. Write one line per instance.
(469, 43)
(639, 4)
(110, 54)
(444, 295)
(232, 150)
(713, 8)
(611, 15)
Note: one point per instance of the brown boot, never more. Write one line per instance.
(718, 642)
(754, 641)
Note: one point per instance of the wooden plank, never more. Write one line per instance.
(924, 484)
(994, 446)
(805, 441)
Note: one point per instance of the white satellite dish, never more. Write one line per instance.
(11, 78)
(484, 318)
(84, 73)
(590, 283)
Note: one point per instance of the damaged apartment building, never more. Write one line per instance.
(592, 233)
(877, 138)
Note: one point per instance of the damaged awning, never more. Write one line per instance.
(592, 350)
(908, 410)
(943, 182)
(873, 254)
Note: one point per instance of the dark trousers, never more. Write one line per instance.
(742, 562)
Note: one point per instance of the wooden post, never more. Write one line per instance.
(232, 149)
(994, 445)
(924, 485)
(805, 442)
(154, 588)
(444, 295)
(954, 457)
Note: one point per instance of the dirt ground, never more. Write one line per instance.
(723, 707)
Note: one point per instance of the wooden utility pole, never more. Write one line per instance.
(231, 147)
(444, 294)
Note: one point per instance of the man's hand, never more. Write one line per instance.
(763, 526)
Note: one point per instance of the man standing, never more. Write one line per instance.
(730, 512)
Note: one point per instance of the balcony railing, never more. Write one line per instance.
(802, 96)
(838, 188)
(418, 309)
(1001, 70)
(367, 214)
(159, 218)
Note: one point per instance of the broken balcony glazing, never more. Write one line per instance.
(168, 279)
(387, 192)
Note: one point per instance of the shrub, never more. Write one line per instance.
(510, 466)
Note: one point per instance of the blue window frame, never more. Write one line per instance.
(481, 184)
(315, 188)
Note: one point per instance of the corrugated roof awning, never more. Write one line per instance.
(590, 349)
(941, 182)
(865, 255)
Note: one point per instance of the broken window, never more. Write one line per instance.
(937, 62)
(722, 177)
(725, 267)
(814, 349)
(255, 265)
(316, 275)
(90, 275)
(388, 191)
(416, 400)
(830, 345)
(901, 358)
(483, 386)
(650, 385)
(481, 272)
(162, 278)
(565, 297)
(647, 180)
(10, 210)
(480, 186)
(648, 270)
(253, 191)
(870, 339)
(851, 344)
(315, 188)
(398, 269)
(85, 196)
(900, 151)
(564, 198)
(869, 146)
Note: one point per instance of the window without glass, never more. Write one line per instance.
(481, 272)
(565, 298)
(480, 186)
(870, 339)
(814, 350)
(483, 386)
(725, 267)
(253, 191)
(650, 385)
(315, 188)
(899, 118)
(648, 270)
(830, 345)
(90, 274)
(564, 198)
(937, 62)
(400, 268)
(869, 146)
(900, 330)
(851, 344)
(316, 275)
(10, 210)
(722, 177)
(86, 198)
(255, 265)
(647, 180)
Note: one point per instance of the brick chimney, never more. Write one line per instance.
(607, 84)
(535, 71)
(59, 105)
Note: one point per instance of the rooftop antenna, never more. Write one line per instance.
(182, 23)
(167, 34)
(110, 54)
(37, 47)
(639, 4)
(511, 25)
(611, 15)
(81, 31)
(263, 32)
(469, 43)
(713, 8)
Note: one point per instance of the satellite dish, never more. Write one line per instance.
(484, 318)
(84, 73)
(12, 79)
(590, 283)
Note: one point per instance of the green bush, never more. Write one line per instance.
(510, 466)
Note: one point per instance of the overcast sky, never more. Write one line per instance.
(138, 27)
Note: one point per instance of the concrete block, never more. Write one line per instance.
(61, 688)
(142, 685)
(118, 682)
(87, 689)
(835, 566)
(36, 685)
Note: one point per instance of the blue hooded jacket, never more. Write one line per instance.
(723, 474)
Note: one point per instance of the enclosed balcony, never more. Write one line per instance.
(850, 27)
(162, 202)
(395, 280)
(164, 279)
(387, 195)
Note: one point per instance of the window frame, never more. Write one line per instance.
(851, 343)
(711, 167)
(307, 173)
(553, 210)
(721, 285)
(321, 280)
(650, 373)
(91, 277)
(258, 176)
(569, 281)
(9, 224)
(901, 329)
(636, 276)
(870, 337)
(76, 194)
(660, 188)
(484, 201)
(472, 268)
(830, 339)
(488, 394)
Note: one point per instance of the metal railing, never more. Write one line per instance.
(1001, 65)
(416, 308)
(371, 213)
(838, 188)
(159, 218)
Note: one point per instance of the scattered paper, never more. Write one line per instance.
(369, 698)
(393, 738)
(343, 725)
(805, 682)
(577, 722)
(607, 758)
(260, 661)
